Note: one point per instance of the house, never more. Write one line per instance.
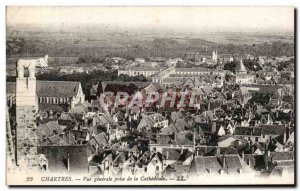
(71, 159)
(280, 161)
(150, 121)
(260, 133)
(218, 165)
(155, 165)
(98, 142)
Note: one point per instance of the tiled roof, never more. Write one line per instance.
(171, 154)
(101, 139)
(165, 139)
(64, 89)
(53, 107)
(272, 129)
(103, 119)
(57, 156)
(248, 131)
(203, 165)
(48, 129)
(185, 155)
(278, 156)
(184, 138)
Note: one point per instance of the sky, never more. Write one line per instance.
(202, 19)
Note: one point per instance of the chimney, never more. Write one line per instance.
(181, 151)
(68, 162)
(213, 127)
(218, 150)
(240, 171)
(94, 121)
(249, 162)
(194, 137)
(223, 162)
(167, 155)
(284, 136)
(243, 155)
(107, 128)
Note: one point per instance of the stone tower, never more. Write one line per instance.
(214, 55)
(26, 110)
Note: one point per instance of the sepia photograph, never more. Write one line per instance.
(150, 96)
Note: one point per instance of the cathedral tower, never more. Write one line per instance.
(26, 110)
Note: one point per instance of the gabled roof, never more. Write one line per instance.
(278, 156)
(120, 159)
(150, 120)
(104, 119)
(185, 155)
(165, 139)
(66, 116)
(101, 139)
(171, 154)
(233, 163)
(272, 129)
(49, 129)
(240, 67)
(63, 89)
(184, 138)
(248, 131)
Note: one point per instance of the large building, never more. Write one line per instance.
(136, 71)
(174, 75)
(63, 95)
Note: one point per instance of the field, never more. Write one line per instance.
(66, 47)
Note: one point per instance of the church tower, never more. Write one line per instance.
(215, 55)
(26, 110)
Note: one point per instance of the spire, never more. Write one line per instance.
(240, 68)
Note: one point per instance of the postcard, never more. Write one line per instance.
(150, 95)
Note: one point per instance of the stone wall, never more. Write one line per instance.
(26, 138)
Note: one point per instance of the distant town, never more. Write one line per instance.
(241, 119)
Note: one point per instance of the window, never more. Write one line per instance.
(157, 168)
